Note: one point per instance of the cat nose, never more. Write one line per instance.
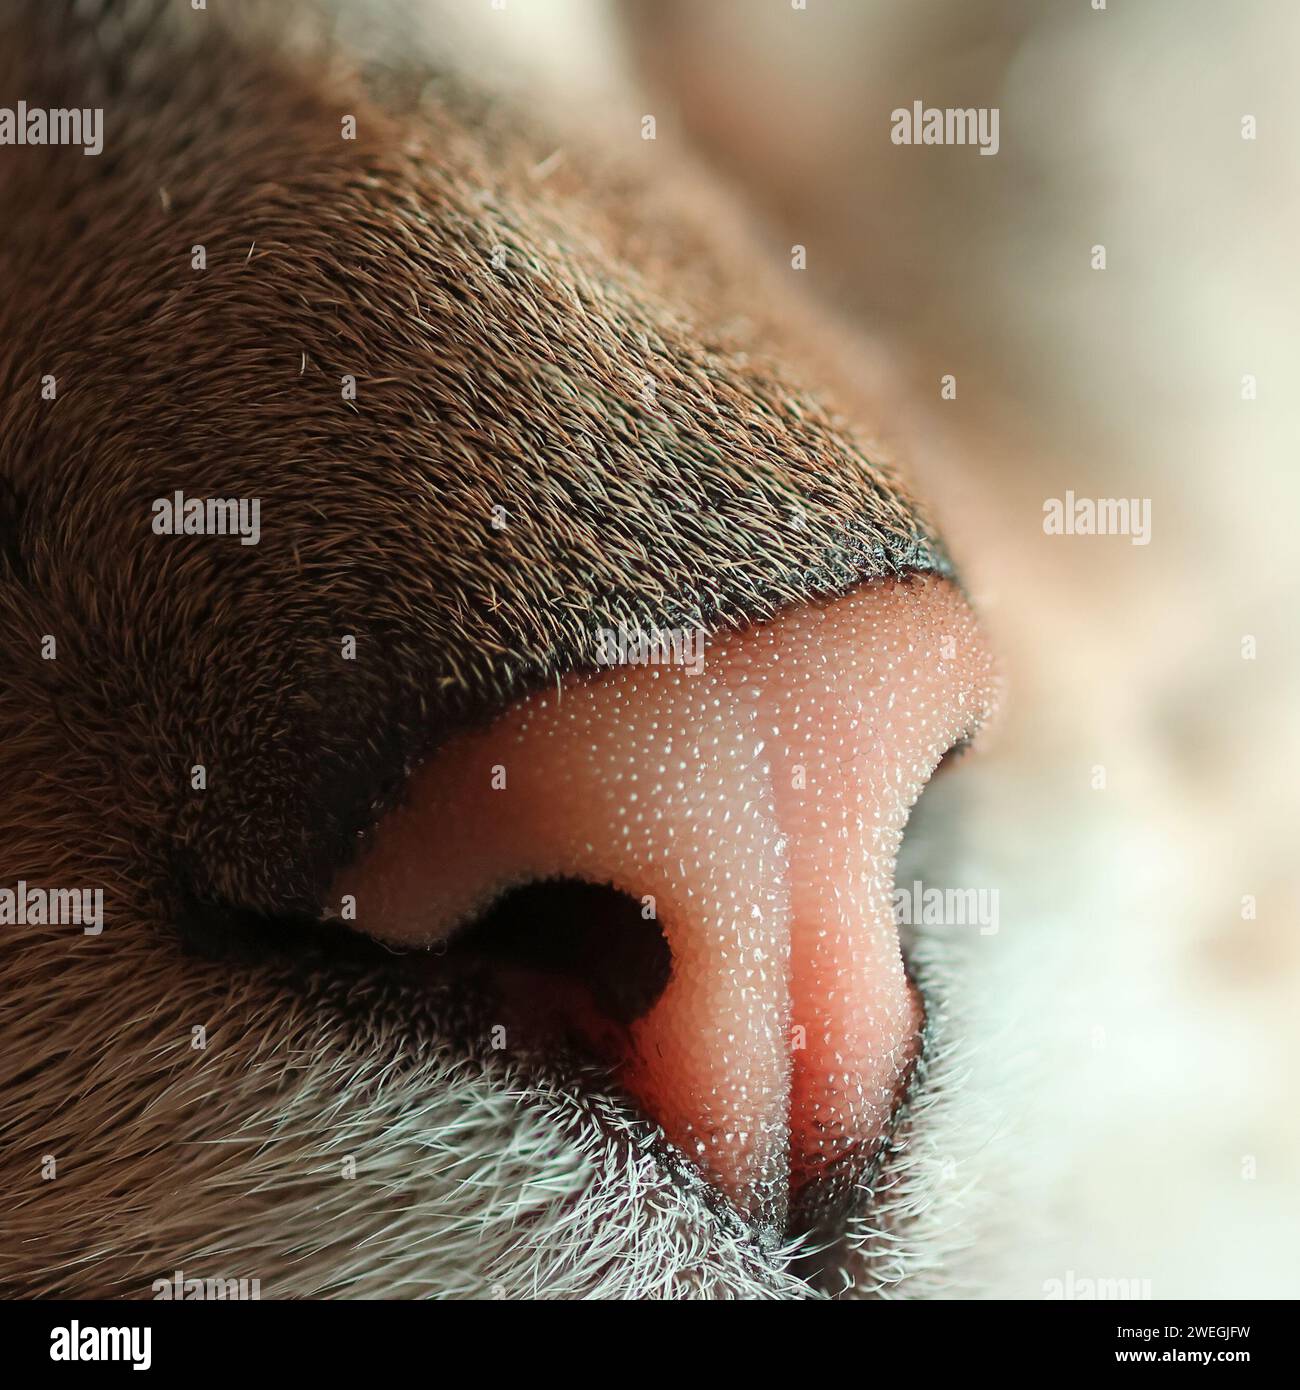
(750, 799)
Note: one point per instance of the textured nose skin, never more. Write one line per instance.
(756, 807)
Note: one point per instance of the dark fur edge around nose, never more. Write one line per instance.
(716, 497)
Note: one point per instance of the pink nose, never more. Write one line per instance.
(754, 807)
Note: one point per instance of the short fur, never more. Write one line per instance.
(612, 384)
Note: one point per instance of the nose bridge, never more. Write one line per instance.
(755, 810)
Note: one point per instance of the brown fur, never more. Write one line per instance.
(726, 494)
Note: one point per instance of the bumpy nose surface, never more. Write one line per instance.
(756, 806)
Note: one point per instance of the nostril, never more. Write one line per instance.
(591, 955)
(756, 804)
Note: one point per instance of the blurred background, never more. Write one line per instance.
(1136, 1028)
